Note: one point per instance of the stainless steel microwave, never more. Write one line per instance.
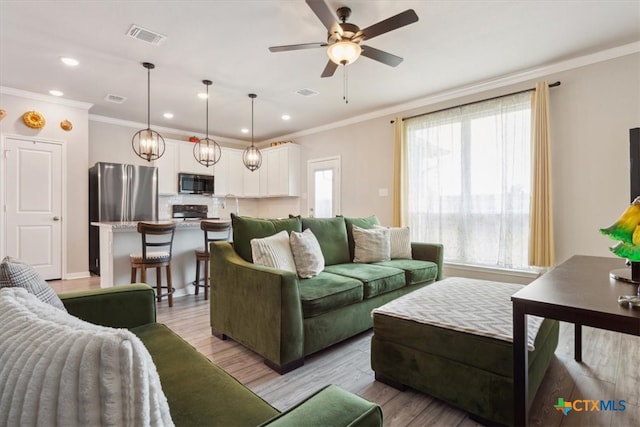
(195, 184)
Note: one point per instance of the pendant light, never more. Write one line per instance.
(147, 143)
(252, 158)
(206, 151)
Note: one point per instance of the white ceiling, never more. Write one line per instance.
(454, 43)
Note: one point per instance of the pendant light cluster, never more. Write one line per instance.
(252, 158)
(206, 151)
(147, 143)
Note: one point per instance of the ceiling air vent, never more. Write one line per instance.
(116, 99)
(147, 36)
(306, 92)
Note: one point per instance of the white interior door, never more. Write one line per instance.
(33, 204)
(323, 182)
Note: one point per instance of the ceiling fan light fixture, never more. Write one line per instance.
(344, 52)
(147, 143)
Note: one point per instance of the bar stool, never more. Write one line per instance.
(154, 259)
(202, 254)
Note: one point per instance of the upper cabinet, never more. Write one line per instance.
(282, 170)
(279, 175)
(189, 164)
(168, 167)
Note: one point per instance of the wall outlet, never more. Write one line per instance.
(383, 192)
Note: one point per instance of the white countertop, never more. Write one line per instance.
(180, 224)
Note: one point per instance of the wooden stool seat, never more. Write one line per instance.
(202, 253)
(153, 236)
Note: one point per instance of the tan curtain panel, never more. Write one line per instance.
(399, 175)
(541, 247)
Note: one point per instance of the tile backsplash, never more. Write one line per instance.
(216, 207)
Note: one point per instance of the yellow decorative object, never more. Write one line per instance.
(627, 231)
(66, 125)
(3, 114)
(33, 119)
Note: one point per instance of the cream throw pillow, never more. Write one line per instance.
(306, 253)
(400, 238)
(371, 245)
(273, 251)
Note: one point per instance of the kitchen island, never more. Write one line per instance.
(119, 239)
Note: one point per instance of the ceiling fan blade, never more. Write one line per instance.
(381, 56)
(296, 47)
(322, 11)
(400, 20)
(329, 69)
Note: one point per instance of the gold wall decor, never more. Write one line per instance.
(66, 125)
(3, 114)
(34, 120)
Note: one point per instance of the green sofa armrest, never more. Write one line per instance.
(429, 252)
(330, 406)
(122, 306)
(256, 306)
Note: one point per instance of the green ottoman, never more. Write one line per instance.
(453, 340)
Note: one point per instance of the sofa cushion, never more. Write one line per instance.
(306, 253)
(16, 273)
(56, 369)
(332, 237)
(273, 251)
(246, 228)
(376, 279)
(371, 245)
(366, 223)
(199, 392)
(326, 292)
(416, 271)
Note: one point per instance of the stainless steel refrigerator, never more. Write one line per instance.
(119, 192)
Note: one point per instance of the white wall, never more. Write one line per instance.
(591, 114)
(76, 142)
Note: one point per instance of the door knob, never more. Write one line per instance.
(56, 218)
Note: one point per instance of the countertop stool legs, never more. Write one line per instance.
(221, 230)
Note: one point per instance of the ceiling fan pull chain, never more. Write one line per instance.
(345, 84)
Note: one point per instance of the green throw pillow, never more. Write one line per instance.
(332, 237)
(247, 228)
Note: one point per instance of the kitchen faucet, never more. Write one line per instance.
(224, 202)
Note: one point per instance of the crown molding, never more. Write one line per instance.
(46, 98)
(472, 89)
(181, 132)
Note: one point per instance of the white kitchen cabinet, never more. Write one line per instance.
(282, 170)
(168, 166)
(250, 182)
(189, 164)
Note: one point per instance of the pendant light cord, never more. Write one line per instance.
(252, 121)
(207, 118)
(148, 98)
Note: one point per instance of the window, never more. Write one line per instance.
(468, 171)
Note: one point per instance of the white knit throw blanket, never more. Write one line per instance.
(56, 369)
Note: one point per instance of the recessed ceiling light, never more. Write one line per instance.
(203, 95)
(285, 117)
(55, 92)
(71, 62)
(168, 115)
(244, 130)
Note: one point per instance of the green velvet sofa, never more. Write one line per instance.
(200, 393)
(284, 318)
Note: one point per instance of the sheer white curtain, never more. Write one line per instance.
(469, 181)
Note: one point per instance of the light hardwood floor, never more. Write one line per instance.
(611, 370)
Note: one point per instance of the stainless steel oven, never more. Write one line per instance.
(195, 184)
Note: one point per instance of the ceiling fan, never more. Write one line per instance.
(344, 39)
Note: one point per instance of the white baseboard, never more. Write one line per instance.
(488, 273)
(78, 275)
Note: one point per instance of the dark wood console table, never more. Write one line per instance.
(578, 291)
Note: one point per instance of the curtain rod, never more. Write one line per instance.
(475, 102)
